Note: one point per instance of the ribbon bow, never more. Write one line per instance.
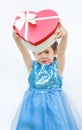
(24, 19)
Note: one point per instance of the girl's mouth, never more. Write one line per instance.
(44, 61)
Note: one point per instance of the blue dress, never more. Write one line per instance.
(45, 106)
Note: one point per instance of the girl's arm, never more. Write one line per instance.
(24, 51)
(61, 34)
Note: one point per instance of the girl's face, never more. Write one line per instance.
(46, 56)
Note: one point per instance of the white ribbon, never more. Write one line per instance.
(31, 18)
(24, 19)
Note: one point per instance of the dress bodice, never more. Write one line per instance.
(44, 76)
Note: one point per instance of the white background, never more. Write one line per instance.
(13, 74)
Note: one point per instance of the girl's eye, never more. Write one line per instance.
(47, 51)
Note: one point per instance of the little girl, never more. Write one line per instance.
(45, 106)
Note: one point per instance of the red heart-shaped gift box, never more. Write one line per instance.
(37, 29)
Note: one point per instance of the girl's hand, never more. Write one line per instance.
(61, 31)
(16, 36)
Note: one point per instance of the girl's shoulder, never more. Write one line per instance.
(34, 62)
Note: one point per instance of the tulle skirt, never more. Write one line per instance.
(46, 110)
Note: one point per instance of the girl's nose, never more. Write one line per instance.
(43, 55)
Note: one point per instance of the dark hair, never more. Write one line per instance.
(55, 45)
